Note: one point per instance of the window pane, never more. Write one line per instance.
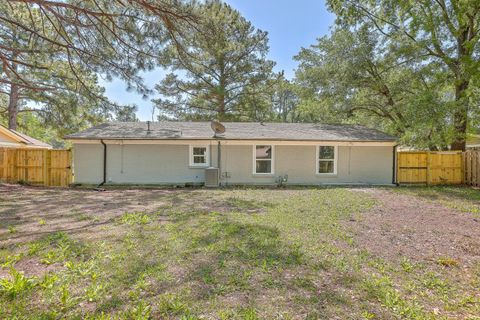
(263, 152)
(327, 152)
(199, 151)
(199, 159)
(264, 166)
(325, 166)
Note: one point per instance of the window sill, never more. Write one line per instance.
(328, 175)
(261, 175)
(198, 167)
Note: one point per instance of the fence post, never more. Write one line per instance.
(428, 169)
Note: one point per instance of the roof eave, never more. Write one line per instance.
(225, 139)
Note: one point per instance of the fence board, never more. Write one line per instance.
(36, 166)
(471, 161)
(424, 167)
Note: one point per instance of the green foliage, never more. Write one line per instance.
(53, 55)
(356, 76)
(12, 229)
(171, 304)
(17, 285)
(438, 43)
(135, 218)
(219, 70)
(140, 312)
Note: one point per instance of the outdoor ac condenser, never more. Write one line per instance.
(211, 177)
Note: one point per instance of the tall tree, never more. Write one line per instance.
(115, 38)
(356, 76)
(52, 51)
(440, 31)
(218, 67)
(61, 93)
(285, 100)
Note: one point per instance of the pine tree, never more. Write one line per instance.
(216, 68)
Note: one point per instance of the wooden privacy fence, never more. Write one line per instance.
(471, 164)
(36, 166)
(429, 167)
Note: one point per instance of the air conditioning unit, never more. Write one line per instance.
(211, 177)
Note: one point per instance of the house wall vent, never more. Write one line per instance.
(211, 177)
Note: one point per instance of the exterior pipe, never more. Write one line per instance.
(394, 171)
(104, 163)
(219, 158)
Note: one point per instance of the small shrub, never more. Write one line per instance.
(12, 229)
(42, 222)
(17, 285)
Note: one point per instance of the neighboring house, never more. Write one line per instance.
(14, 139)
(250, 153)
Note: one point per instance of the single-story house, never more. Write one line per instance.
(14, 139)
(246, 153)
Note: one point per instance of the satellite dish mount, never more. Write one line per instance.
(217, 128)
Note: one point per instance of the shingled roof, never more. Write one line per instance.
(234, 131)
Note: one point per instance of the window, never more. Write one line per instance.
(263, 159)
(198, 156)
(327, 160)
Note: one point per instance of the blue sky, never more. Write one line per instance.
(291, 24)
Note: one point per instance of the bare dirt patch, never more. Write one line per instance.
(28, 213)
(408, 226)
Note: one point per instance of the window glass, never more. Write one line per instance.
(264, 152)
(199, 151)
(326, 159)
(198, 156)
(264, 166)
(325, 166)
(199, 159)
(263, 159)
(327, 152)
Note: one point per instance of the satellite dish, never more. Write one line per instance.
(217, 127)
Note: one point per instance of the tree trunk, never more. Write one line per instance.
(13, 107)
(221, 107)
(460, 117)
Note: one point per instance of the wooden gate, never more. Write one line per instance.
(428, 167)
(36, 166)
(472, 167)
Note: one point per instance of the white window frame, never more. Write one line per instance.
(207, 156)
(317, 160)
(254, 164)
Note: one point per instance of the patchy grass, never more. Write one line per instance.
(220, 254)
(464, 199)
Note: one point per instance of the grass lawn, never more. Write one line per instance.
(464, 199)
(327, 253)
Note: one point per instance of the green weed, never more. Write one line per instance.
(17, 284)
(135, 218)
